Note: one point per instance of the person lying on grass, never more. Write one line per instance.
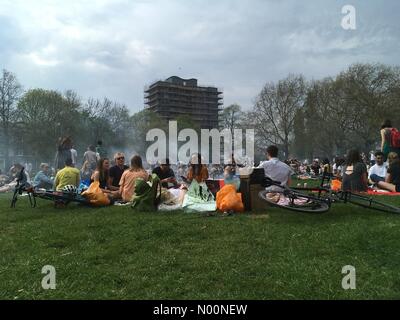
(392, 180)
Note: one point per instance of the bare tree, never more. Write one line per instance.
(276, 108)
(231, 117)
(10, 92)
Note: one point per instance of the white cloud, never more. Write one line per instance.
(115, 47)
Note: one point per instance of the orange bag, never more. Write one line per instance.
(95, 196)
(228, 199)
(336, 185)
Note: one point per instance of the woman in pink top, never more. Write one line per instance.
(128, 179)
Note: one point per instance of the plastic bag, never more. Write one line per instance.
(95, 196)
(229, 200)
(336, 185)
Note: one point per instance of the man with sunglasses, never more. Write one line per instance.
(116, 171)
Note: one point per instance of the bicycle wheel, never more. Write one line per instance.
(321, 193)
(370, 203)
(294, 201)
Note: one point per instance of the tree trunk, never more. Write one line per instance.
(7, 163)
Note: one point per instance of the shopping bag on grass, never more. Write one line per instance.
(229, 200)
(95, 196)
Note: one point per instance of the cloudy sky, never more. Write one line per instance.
(114, 48)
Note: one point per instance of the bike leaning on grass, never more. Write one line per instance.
(324, 191)
(287, 198)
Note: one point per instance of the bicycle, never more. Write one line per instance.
(57, 197)
(340, 196)
(290, 199)
(22, 187)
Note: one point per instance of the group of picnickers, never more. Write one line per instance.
(185, 185)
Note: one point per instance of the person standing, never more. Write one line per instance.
(91, 157)
(63, 152)
(100, 150)
(74, 156)
(386, 145)
(372, 158)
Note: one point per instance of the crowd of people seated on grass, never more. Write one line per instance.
(184, 185)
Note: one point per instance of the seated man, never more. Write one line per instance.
(116, 171)
(378, 171)
(276, 169)
(392, 180)
(42, 179)
(166, 175)
(69, 176)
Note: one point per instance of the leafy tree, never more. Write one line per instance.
(44, 116)
(231, 117)
(141, 123)
(10, 92)
(275, 110)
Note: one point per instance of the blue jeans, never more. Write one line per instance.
(375, 178)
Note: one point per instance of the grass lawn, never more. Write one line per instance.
(113, 253)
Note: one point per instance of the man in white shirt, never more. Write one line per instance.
(276, 169)
(378, 171)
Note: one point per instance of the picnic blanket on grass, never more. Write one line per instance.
(382, 193)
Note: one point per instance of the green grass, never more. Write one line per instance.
(114, 253)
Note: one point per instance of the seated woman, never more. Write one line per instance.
(101, 174)
(42, 179)
(392, 180)
(197, 170)
(129, 177)
(86, 173)
(198, 197)
(355, 177)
